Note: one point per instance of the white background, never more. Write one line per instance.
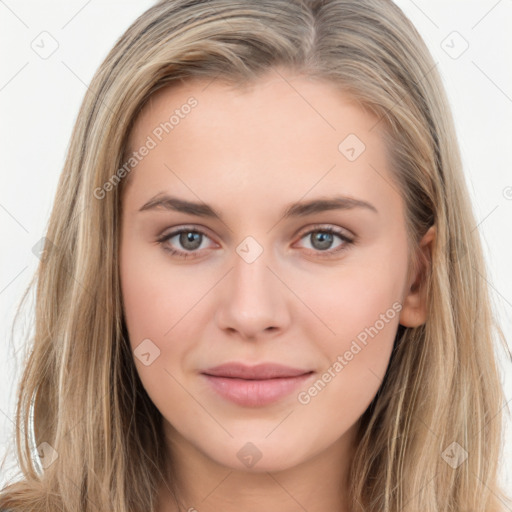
(39, 100)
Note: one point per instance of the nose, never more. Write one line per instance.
(252, 301)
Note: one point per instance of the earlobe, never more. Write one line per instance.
(414, 310)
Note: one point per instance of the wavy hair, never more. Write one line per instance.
(80, 394)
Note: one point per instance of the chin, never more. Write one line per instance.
(259, 456)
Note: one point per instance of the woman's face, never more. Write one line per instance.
(227, 256)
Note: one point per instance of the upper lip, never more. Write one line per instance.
(257, 372)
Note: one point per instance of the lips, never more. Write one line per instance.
(255, 386)
(259, 372)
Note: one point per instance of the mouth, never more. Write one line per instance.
(255, 386)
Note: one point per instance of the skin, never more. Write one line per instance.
(249, 152)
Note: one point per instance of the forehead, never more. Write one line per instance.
(275, 98)
(281, 134)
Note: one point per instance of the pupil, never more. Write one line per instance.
(324, 239)
(190, 240)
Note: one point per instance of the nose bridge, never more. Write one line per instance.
(253, 301)
(252, 280)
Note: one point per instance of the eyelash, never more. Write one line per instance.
(316, 229)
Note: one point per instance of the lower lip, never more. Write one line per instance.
(256, 393)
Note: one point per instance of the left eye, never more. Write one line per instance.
(321, 238)
(191, 240)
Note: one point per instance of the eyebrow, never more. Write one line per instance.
(298, 209)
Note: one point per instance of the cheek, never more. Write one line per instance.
(354, 298)
(142, 292)
(365, 322)
(154, 304)
(361, 305)
(155, 296)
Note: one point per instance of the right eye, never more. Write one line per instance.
(190, 240)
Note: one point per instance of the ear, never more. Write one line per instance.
(414, 304)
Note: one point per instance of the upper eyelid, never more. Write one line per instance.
(320, 227)
(176, 231)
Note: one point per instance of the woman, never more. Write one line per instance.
(262, 287)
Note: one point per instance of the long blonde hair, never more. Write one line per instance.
(80, 394)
